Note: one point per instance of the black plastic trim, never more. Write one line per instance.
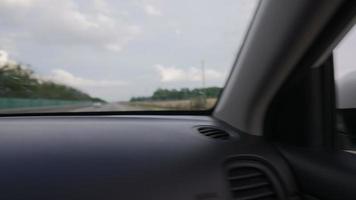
(262, 165)
(194, 113)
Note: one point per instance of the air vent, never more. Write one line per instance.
(213, 132)
(253, 182)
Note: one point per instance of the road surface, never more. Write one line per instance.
(116, 106)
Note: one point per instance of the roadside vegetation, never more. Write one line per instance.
(21, 87)
(19, 82)
(183, 99)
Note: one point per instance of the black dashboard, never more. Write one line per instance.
(141, 157)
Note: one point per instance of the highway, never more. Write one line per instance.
(96, 107)
(116, 106)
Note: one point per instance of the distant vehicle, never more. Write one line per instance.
(97, 104)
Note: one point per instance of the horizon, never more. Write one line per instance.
(116, 50)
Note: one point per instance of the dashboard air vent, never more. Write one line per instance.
(213, 132)
(253, 181)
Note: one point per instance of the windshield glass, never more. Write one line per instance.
(115, 55)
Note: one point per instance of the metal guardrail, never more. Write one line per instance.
(29, 103)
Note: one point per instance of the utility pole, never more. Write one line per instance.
(203, 73)
(203, 99)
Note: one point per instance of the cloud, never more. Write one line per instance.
(67, 78)
(22, 3)
(178, 32)
(152, 10)
(6, 60)
(101, 6)
(4, 57)
(8, 45)
(106, 89)
(86, 34)
(63, 23)
(174, 74)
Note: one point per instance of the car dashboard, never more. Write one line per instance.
(140, 157)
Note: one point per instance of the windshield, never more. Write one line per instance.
(115, 55)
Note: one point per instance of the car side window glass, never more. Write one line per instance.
(345, 84)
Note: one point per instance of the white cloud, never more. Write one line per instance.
(82, 34)
(101, 6)
(174, 74)
(4, 57)
(178, 32)
(21, 3)
(63, 23)
(8, 45)
(107, 89)
(152, 10)
(6, 60)
(65, 77)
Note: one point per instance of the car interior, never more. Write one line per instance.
(272, 134)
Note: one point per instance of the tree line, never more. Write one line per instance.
(181, 94)
(17, 81)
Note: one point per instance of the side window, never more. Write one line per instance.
(345, 80)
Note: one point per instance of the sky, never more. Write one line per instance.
(116, 49)
(345, 56)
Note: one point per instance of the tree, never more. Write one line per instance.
(17, 81)
(182, 94)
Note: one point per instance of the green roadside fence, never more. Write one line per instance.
(28, 103)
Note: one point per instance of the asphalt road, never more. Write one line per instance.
(118, 106)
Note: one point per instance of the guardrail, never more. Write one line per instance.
(28, 103)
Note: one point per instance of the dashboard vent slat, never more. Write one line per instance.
(250, 186)
(243, 176)
(213, 132)
(250, 183)
(260, 196)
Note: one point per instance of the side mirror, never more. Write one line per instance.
(346, 110)
(346, 121)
